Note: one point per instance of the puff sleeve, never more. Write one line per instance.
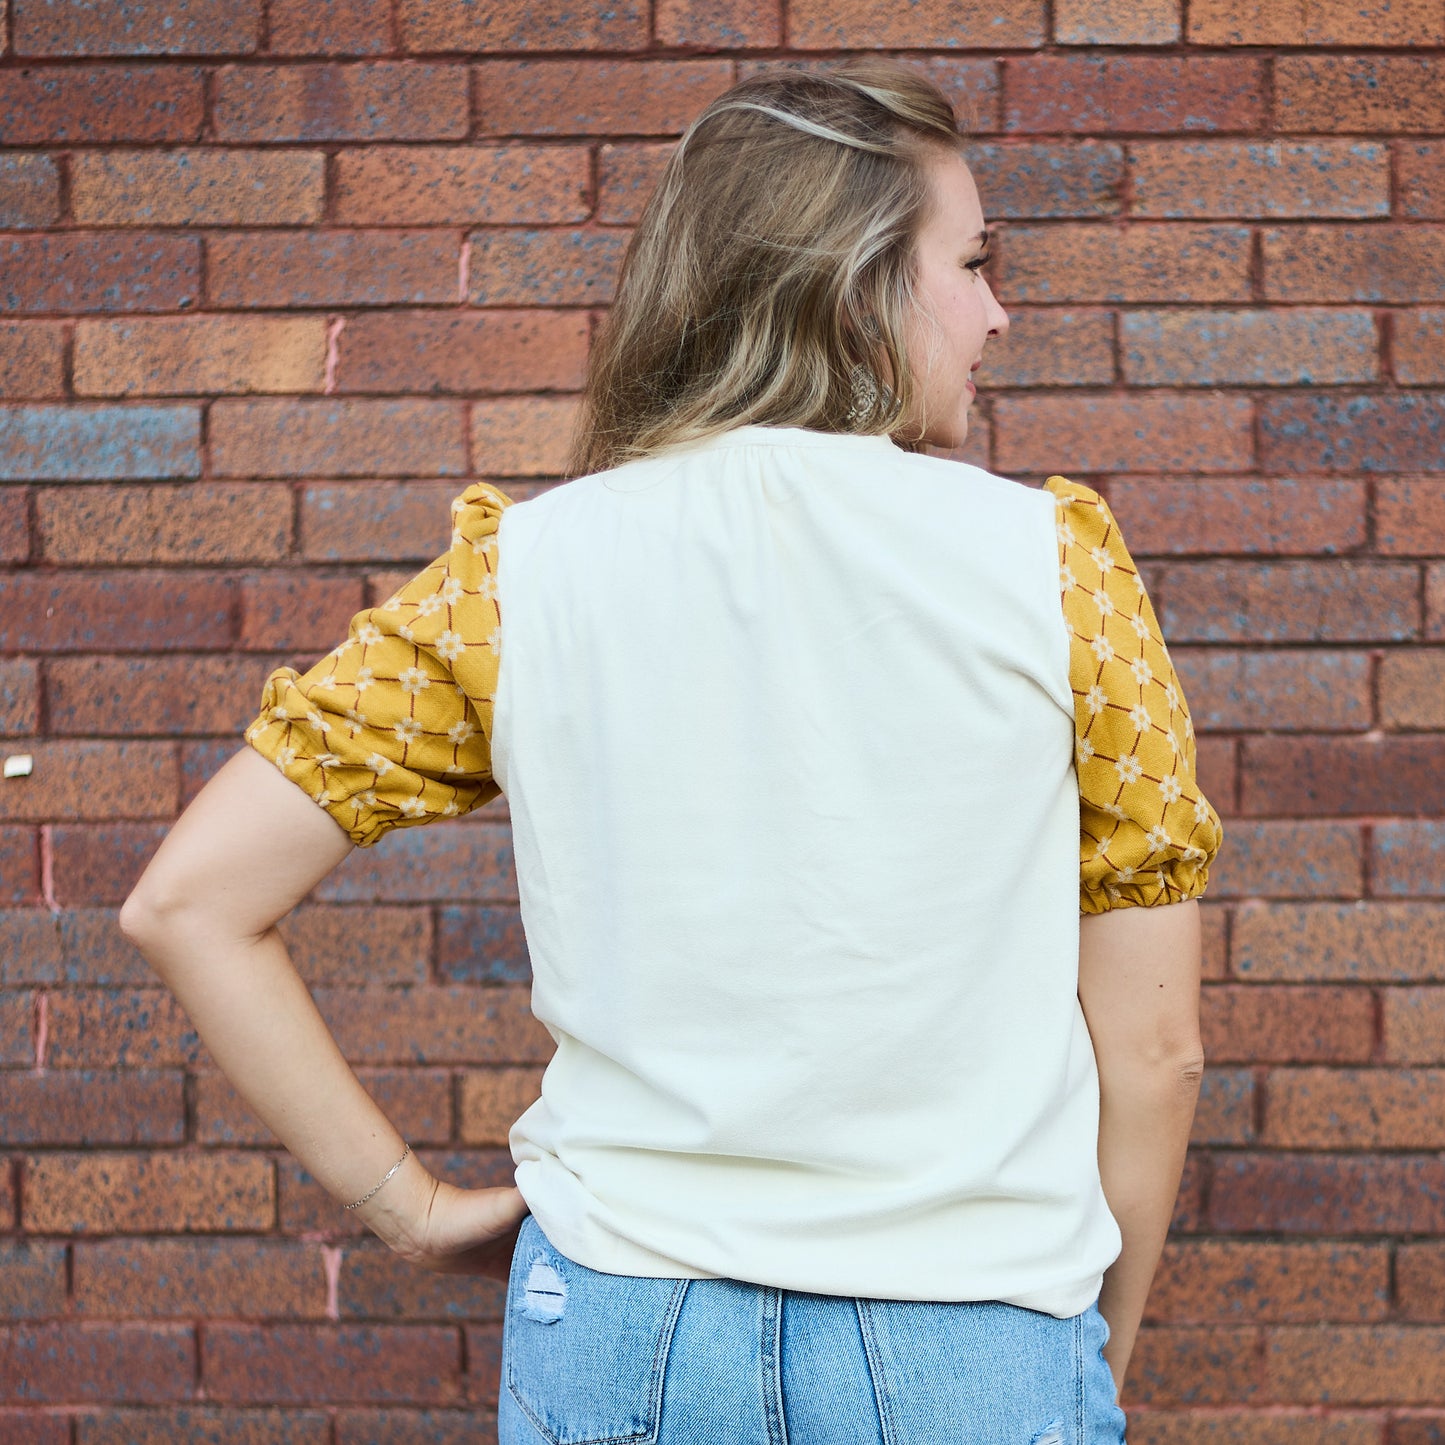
(393, 727)
(1147, 832)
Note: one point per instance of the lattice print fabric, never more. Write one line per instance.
(1147, 832)
(393, 726)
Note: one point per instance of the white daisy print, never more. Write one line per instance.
(408, 730)
(363, 679)
(451, 591)
(1142, 671)
(413, 680)
(449, 646)
(368, 634)
(1083, 750)
(1104, 603)
(1169, 788)
(429, 604)
(487, 588)
(1103, 649)
(379, 765)
(1201, 810)
(412, 807)
(1139, 716)
(1128, 768)
(1095, 700)
(1102, 560)
(1157, 838)
(459, 732)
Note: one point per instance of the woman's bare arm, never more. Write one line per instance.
(246, 851)
(1139, 987)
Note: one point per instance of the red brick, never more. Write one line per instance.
(384, 100)
(32, 359)
(17, 1030)
(332, 268)
(1420, 1281)
(120, 1028)
(19, 866)
(310, 1364)
(154, 696)
(544, 268)
(1275, 690)
(94, 951)
(928, 25)
(469, 859)
(493, 1100)
(1123, 432)
(1314, 22)
(1362, 776)
(1307, 1193)
(461, 185)
(1286, 1023)
(103, 1193)
(1278, 515)
(484, 1362)
(196, 187)
(328, 27)
(1276, 1426)
(1417, 1428)
(627, 176)
(1356, 1365)
(1257, 602)
(1286, 859)
(467, 352)
(32, 1281)
(1414, 1025)
(30, 952)
(1216, 765)
(84, 105)
(8, 1212)
(1435, 603)
(1226, 1108)
(719, 24)
(136, 27)
(374, 1283)
(595, 97)
(1184, 1365)
(296, 610)
(1420, 176)
(359, 945)
(457, 1025)
(1339, 942)
(14, 524)
(200, 355)
(86, 1106)
(1354, 263)
(307, 1209)
(1328, 431)
(1369, 93)
(208, 1424)
(1209, 1281)
(458, 25)
(192, 522)
(99, 780)
(322, 437)
(1408, 859)
(1214, 942)
(19, 696)
(1279, 347)
(376, 521)
(1034, 179)
(78, 272)
(200, 761)
(25, 1426)
(1412, 689)
(418, 1101)
(1354, 1109)
(1418, 349)
(1158, 94)
(1139, 262)
(99, 864)
(76, 1363)
(29, 190)
(187, 1278)
(481, 945)
(1136, 22)
(1047, 346)
(56, 442)
(526, 437)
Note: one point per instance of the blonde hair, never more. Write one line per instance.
(770, 278)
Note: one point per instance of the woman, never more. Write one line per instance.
(816, 747)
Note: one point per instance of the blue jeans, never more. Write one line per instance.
(611, 1359)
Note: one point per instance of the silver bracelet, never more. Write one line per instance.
(384, 1178)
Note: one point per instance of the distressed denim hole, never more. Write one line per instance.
(544, 1297)
(1050, 1435)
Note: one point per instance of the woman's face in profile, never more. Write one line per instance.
(957, 310)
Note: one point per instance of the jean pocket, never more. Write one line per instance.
(584, 1353)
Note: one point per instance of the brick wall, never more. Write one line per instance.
(276, 278)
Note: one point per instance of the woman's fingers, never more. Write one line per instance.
(472, 1231)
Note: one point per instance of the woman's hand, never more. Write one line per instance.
(437, 1226)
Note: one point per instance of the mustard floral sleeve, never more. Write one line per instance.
(393, 727)
(1148, 834)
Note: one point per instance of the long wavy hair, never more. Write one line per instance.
(771, 276)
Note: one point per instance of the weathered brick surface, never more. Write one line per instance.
(76, 272)
(1420, 169)
(87, 1106)
(1414, 1025)
(33, 1276)
(17, 1029)
(827, 25)
(1308, 1193)
(14, 524)
(50, 104)
(1047, 346)
(215, 1425)
(1344, 775)
(730, 24)
(104, 1193)
(1359, 92)
(1281, 691)
(136, 27)
(297, 610)
(436, 1025)
(19, 865)
(1138, 22)
(19, 697)
(1408, 859)
(1333, 432)
(375, 521)
(459, 25)
(29, 191)
(1278, 1426)
(1035, 179)
(1286, 1023)
(1339, 942)
(1288, 859)
(1419, 346)
(492, 1099)
(375, 1284)
(98, 864)
(482, 945)
(1354, 1109)
(80, 1362)
(93, 780)
(1357, 1365)
(1322, 263)
(1321, 22)
(32, 360)
(329, 27)
(528, 437)
(382, 101)
(52, 442)
(544, 267)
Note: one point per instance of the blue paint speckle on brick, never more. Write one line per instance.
(99, 443)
